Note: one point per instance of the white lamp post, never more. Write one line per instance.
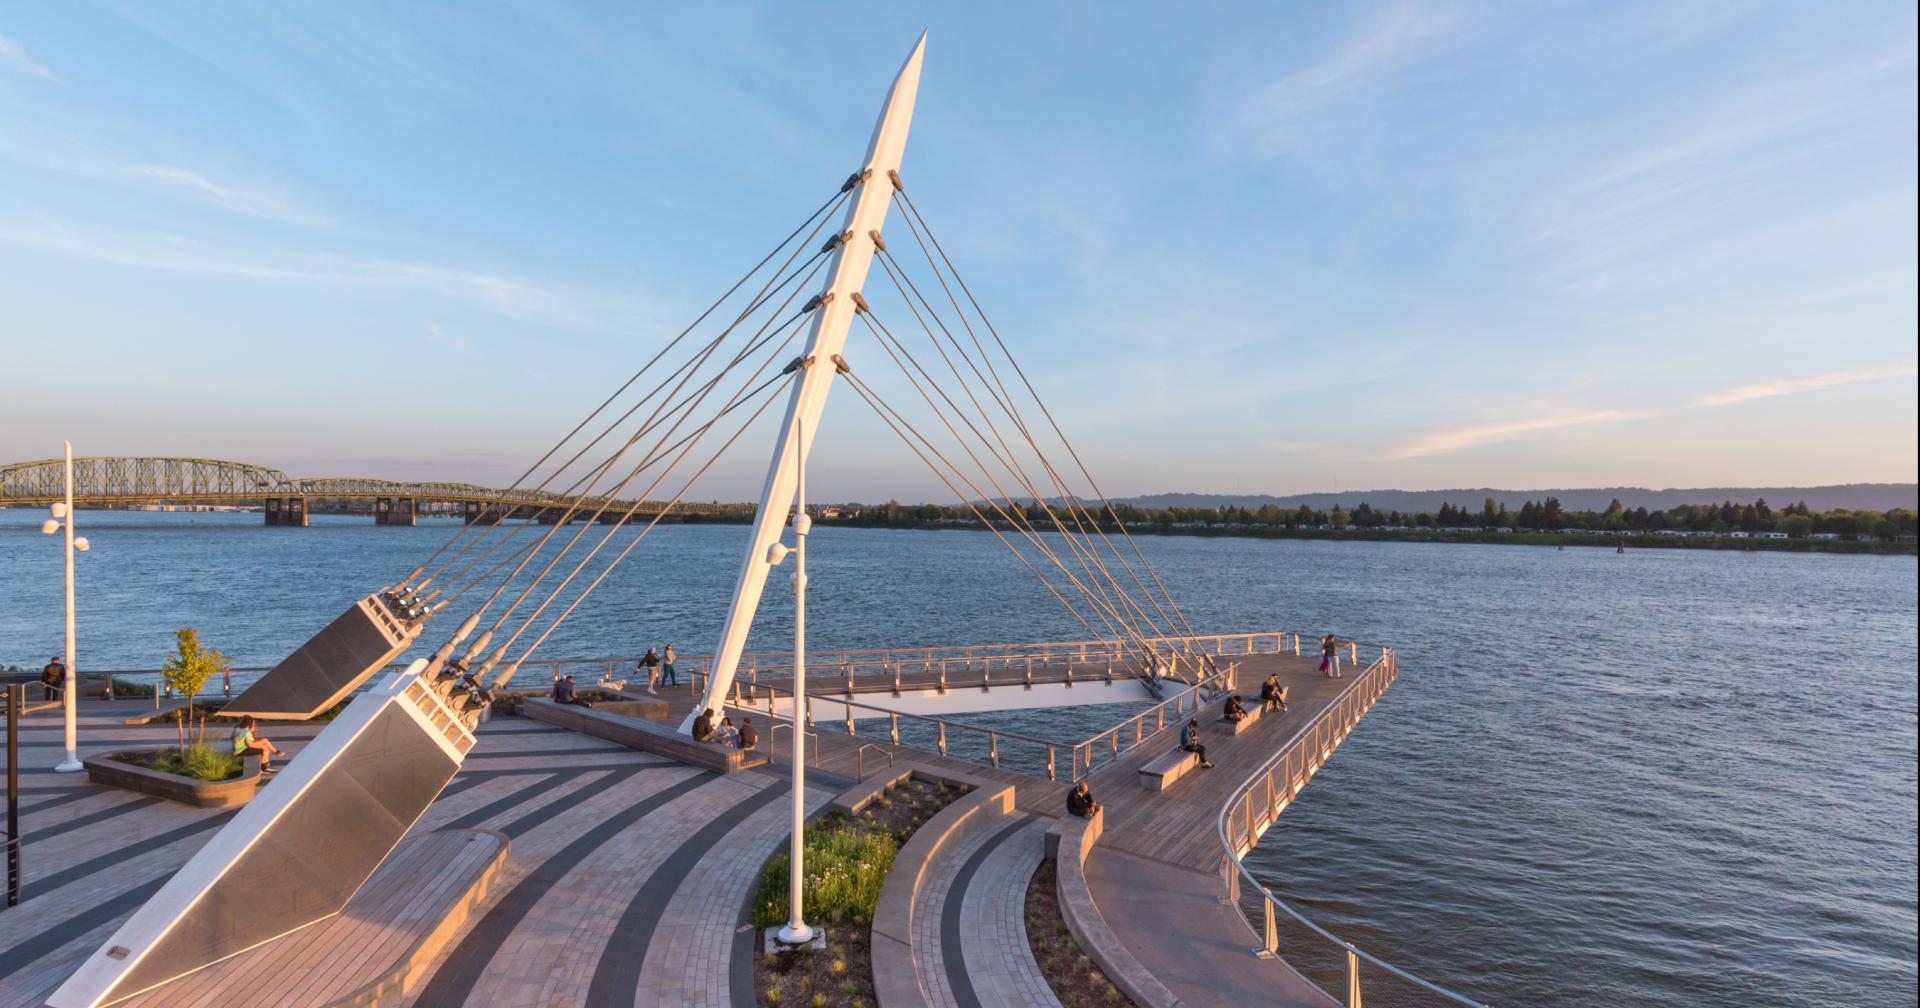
(69, 695)
(796, 931)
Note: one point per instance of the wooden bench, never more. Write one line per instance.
(646, 736)
(1161, 772)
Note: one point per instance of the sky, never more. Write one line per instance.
(1239, 248)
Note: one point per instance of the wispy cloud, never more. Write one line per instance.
(13, 56)
(1293, 111)
(240, 200)
(1767, 390)
(1454, 439)
(438, 337)
(501, 295)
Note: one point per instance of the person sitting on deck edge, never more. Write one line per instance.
(749, 736)
(1233, 711)
(727, 734)
(563, 693)
(246, 743)
(703, 726)
(1190, 741)
(1270, 693)
(1080, 801)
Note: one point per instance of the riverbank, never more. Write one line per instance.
(1606, 540)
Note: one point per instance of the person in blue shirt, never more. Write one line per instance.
(1190, 741)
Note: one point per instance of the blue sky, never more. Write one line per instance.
(1241, 249)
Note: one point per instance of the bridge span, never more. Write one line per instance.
(284, 500)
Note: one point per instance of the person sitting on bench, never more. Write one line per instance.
(1080, 801)
(563, 693)
(1190, 741)
(1271, 694)
(246, 743)
(749, 735)
(727, 734)
(703, 726)
(1233, 711)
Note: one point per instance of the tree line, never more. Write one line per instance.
(1795, 520)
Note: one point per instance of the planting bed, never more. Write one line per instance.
(1075, 978)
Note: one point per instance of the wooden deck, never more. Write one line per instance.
(683, 845)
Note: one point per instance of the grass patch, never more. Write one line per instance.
(847, 860)
(199, 762)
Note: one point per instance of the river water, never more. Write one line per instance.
(1663, 777)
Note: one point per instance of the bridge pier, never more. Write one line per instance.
(395, 510)
(552, 515)
(290, 511)
(479, 513)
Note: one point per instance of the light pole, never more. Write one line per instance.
(69, 694)
(796, 931)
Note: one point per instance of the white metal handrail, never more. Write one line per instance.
(1296, 762)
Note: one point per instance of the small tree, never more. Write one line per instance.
(189, 671)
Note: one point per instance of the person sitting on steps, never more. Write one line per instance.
(1080, 801)
(1190, 741)
(1233, 711)
(246, 743)
(749, 735)
(703, 726)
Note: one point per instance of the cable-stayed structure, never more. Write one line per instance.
(778, 331)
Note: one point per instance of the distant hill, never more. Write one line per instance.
(1852, 496)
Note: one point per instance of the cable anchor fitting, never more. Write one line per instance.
(840, 365)
(852, 180)
(859, 303)
(894, 175)
(833, 243)
(796, 364)
(878, 242)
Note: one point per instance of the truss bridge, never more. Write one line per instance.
(285, 500)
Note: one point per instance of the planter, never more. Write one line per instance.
(112, 770)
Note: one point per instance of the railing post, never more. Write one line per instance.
(849, 708)
(943, 677)
(1353, 979)
(1050, 774)
(893, 727)
(849, 667)
(943, 737)
(1353, 653)
(1270, 943)
(896, 678)
(993, 749)
(1296, 645)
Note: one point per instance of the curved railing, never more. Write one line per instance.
(1257, 803)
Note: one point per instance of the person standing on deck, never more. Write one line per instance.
(650, 667)
(1330, 656)
(668, 677)
(1190, 741)
(53, 677)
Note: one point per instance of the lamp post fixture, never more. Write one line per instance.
(797, 931)
(62, 520)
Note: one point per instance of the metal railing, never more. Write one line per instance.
(870, 663)
(1115, 741)
(1257, 803)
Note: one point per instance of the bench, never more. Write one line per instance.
(1236, 727)
(646, 736)
(1162, 771)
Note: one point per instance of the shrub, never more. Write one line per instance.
(846, 864)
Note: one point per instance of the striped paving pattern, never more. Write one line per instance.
(969, 921)
(626, 882)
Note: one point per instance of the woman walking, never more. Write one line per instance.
(650, 667)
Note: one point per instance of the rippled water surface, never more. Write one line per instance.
(1677, 777)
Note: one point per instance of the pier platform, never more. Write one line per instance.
(625, 878)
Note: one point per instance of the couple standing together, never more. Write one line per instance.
(659, 669)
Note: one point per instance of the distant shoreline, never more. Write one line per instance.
(1608, 541)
